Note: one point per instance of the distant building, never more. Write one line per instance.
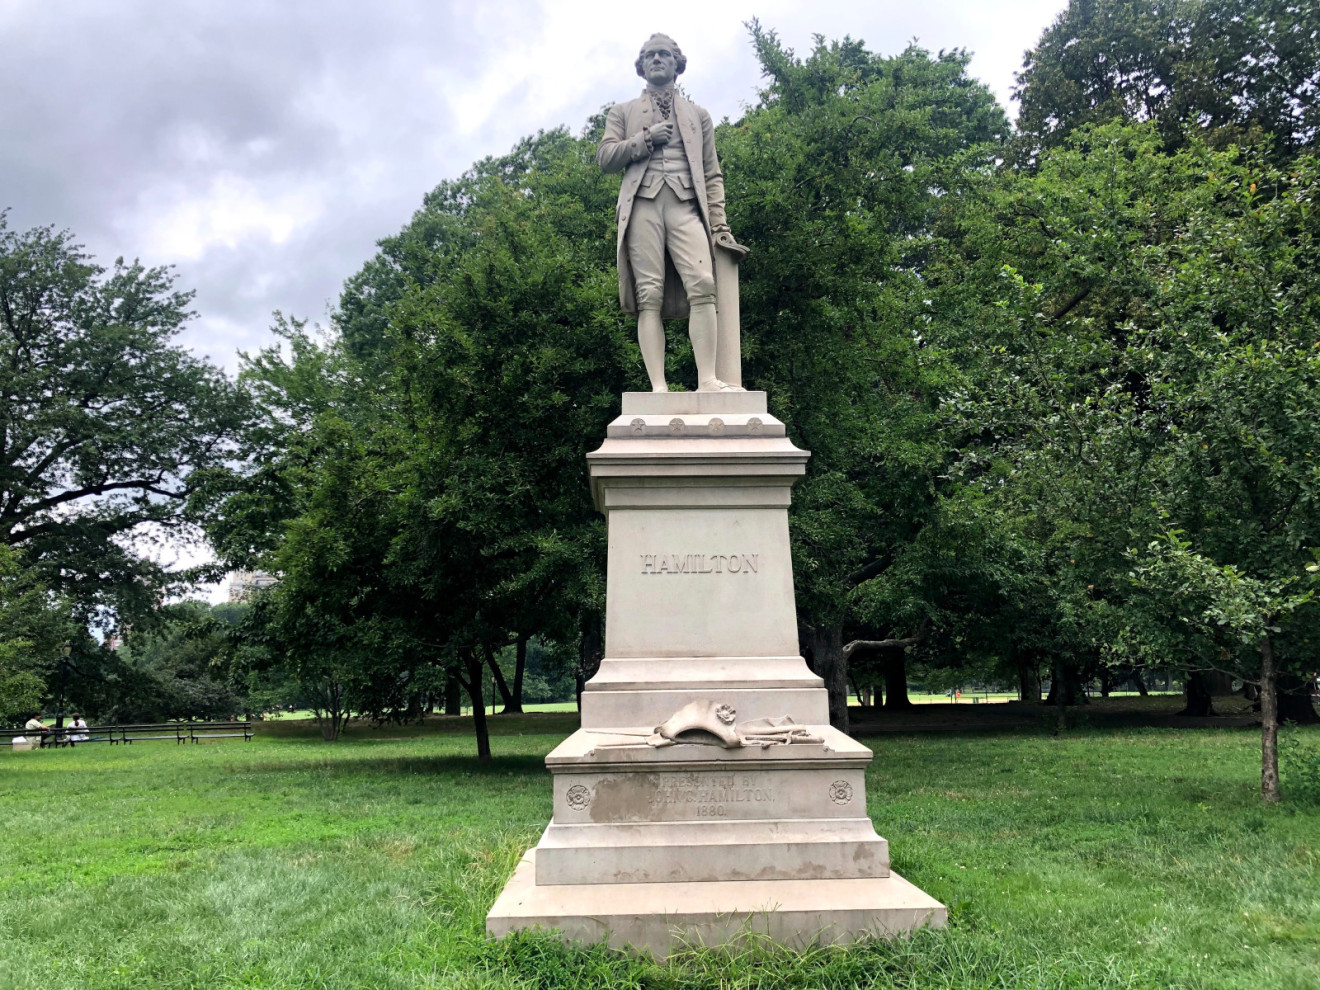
(243, 583)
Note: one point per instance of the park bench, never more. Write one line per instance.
(56, 736)
(197, 731)
(178, 732)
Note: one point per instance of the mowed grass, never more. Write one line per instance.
(1130, 859)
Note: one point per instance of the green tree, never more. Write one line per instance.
(833, 179)
(1238, 70)
(178, 669)
(1151, 368)
(312, 513)
(107, 427)
(29, 638)
(425, 499)
(511, 354)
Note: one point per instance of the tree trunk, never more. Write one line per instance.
(1294, 700)
(331, 714)
(1028, 680)
(896, 688)
(1065, 685)
(1139, 682)
(475, 675)
(591, 650)
(1269, 725)
(519, 667)
(1199, 701)
(832, 665)
(1106, 683)
(453, 695)
(506, 695)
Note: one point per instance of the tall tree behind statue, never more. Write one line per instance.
(834, 179)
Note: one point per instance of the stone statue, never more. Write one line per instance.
(674, 245)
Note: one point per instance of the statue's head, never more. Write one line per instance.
(660, 60)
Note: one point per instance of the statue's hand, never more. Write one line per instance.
(661, 133)
(724, 239)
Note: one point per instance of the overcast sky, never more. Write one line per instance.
(264, 146)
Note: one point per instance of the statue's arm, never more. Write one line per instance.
(617, 150)
(710, 165)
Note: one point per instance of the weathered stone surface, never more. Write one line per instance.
(652, 832)
(693, 403)
(699, 596)
(711, 850)
(660, 917)
(625, 811)
(671, 219)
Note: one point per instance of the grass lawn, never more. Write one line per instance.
(1137, 858)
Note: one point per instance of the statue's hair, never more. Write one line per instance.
(673, 46)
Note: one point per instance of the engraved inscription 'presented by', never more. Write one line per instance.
(700, 563)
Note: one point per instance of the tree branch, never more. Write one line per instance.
(867, 571)
(879, 644)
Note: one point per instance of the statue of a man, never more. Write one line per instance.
(670, 213)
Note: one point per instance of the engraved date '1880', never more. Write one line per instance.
(700, 563)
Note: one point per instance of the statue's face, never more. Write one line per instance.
(659, 64)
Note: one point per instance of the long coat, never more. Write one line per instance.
(623, 149)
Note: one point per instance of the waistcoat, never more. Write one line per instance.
(668, 165)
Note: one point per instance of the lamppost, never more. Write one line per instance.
(65, 648)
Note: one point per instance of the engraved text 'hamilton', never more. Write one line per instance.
(700, 563)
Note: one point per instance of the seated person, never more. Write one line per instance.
(78, 729)
(36, 732)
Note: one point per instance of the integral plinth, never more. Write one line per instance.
(705, 794)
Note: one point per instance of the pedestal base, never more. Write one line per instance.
(705, 796)
(626, 813)
(662, 917)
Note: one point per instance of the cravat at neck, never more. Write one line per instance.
(663, 101)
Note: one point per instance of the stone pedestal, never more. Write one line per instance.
(696, 840)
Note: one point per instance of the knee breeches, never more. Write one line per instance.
(669, 222)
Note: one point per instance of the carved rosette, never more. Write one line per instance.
(578, 797)
(841, 792)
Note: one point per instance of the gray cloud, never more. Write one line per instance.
(260, 147)
(264, 147)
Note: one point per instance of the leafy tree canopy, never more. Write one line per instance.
(107, 427)
(1237, 70)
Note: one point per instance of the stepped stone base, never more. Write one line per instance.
(666, 852)
(663, 917)
(705, 795)
(629, 813)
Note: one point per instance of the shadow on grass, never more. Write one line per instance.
(529, 723)
(344, 764)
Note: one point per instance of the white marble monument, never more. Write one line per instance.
(706, 793)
